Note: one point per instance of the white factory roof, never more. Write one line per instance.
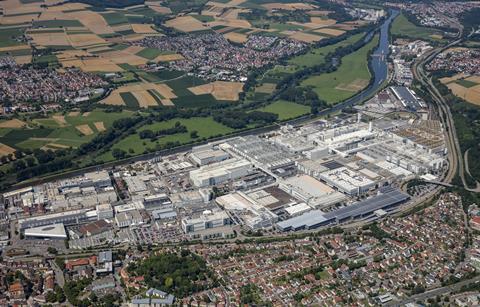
(308, 185)
(346, 178)
(298, 208)
(56, 231)
(220, 168)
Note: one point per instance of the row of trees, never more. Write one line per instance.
(242, 119)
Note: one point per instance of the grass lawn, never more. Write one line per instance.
(286, 110)
(401, 26)
(354, 68)
(205, 126)
(316, 56)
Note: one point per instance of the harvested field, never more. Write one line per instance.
(55, 146)
(234, 23)
(133, 49)
(99, 126)
(185, 24)
(12, 20)
(315, 23)
(12, 123)
(143, 28)
(168, 57)
(73, 113)
(470, 94)
(355, 86)
(144, 99)
(92, 64)
(452, 78)
(233, 13)
(266, 88)
(221, 90)
(475, 79)
(49, 39)
(14, 48)
(236, 37)
(84, 129)
(288, 6)
(85, 40)
(306, 37)
(158, 8)
(319, 13)
(23, 59)
(138, 90)
(120, 57)
(86, 114)
(333, 32)
(5, 150)
(60, 120)
(92, 20)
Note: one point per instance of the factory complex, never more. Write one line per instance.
(295, 178)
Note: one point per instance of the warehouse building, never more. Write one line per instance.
(52, 231)
(220, 172)
(347, 181)
(209, 225)
(408, 98)
(388, 200)
(68, 218)
(206, 154)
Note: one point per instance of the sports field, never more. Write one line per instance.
(351, 76)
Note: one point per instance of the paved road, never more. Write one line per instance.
(433, 293)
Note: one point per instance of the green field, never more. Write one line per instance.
(466, 83)
(401, 26)
(8, 35)
(43, 131)
(286, 110)
(206, 128)
(338, 85)
(58, 23)
(114, 19)
(150, 53)
(130, 100)
(317, 56)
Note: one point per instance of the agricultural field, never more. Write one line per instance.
(56, 131)
(205, 127)
(401, 26)
(286, 110)
(465, 87)
(350, 77)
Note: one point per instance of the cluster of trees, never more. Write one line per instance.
(241, 119)
(179, 274)
(280, 16)
(251, 295)
(74, 289)
(305, 96)
(149, 134)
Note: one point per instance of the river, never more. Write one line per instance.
(378, 67)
